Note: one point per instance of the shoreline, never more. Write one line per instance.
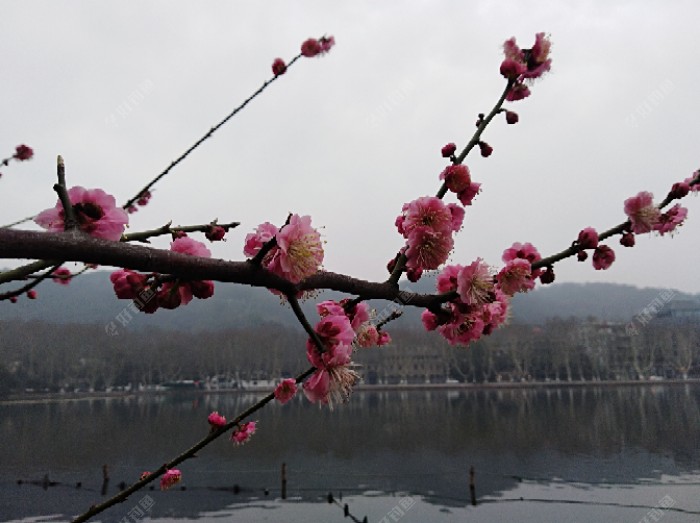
(502, 385)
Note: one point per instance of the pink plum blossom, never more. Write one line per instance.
(368, 336)
(457, 213)
(330, 385)
(216, 420)
(603, 257)
(474, 283)
(516, 276)
(384, 339)
(671, 219)
(127, 284)
(300, 251)
(317, 386)
(23, 153)
(255, 240)
(456, 177)
(243, 433)
(333, 331)
(463, 329)
(588, 238)
(310, 47)
(429, 320)
(447, 279)
(329, 308)
(170, 478)
(62, 276)
(642, 212)
(426, 211)
(538, 61)
(187, 245)
(286, 390)
(512, 69)
(525, 251)
(96, 212)
(357, 315)
(427, 248)
(518, 92)
(467, 195)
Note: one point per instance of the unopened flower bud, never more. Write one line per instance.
(215, 233)
(679, 190)
(279, 67)
(547, 276)
(448, 150)
(512, 117)
(582, 256)
(486, 149)
(627, 239)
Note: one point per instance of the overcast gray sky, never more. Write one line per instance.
(122, 88)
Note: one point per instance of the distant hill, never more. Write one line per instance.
(91, 300)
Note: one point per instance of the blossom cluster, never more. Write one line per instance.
(483, 297)
(297, 252)
(644, 216)
(428, 224)
(309, 48)
(340, 323)
(164, 292)
(525, 65)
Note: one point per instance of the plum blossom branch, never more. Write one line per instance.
(279, 68)
(143, 236)
(29, 286)
(617, 229)
(402, 258)
(75, 246)
(187, 454)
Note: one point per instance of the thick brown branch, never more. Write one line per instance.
(76, 246)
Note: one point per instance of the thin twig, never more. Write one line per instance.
(211, 131)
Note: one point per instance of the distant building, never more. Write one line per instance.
(680, 311)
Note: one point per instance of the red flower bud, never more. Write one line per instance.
(448, 150)
(679, 190)
(627, 239)
(215, 233)
(547, 276)
(512, 117)
(22, 153)
(279, 67)
(486, 149)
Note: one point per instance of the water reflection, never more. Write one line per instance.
(410, 441)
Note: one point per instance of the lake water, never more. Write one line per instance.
(584, 454)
